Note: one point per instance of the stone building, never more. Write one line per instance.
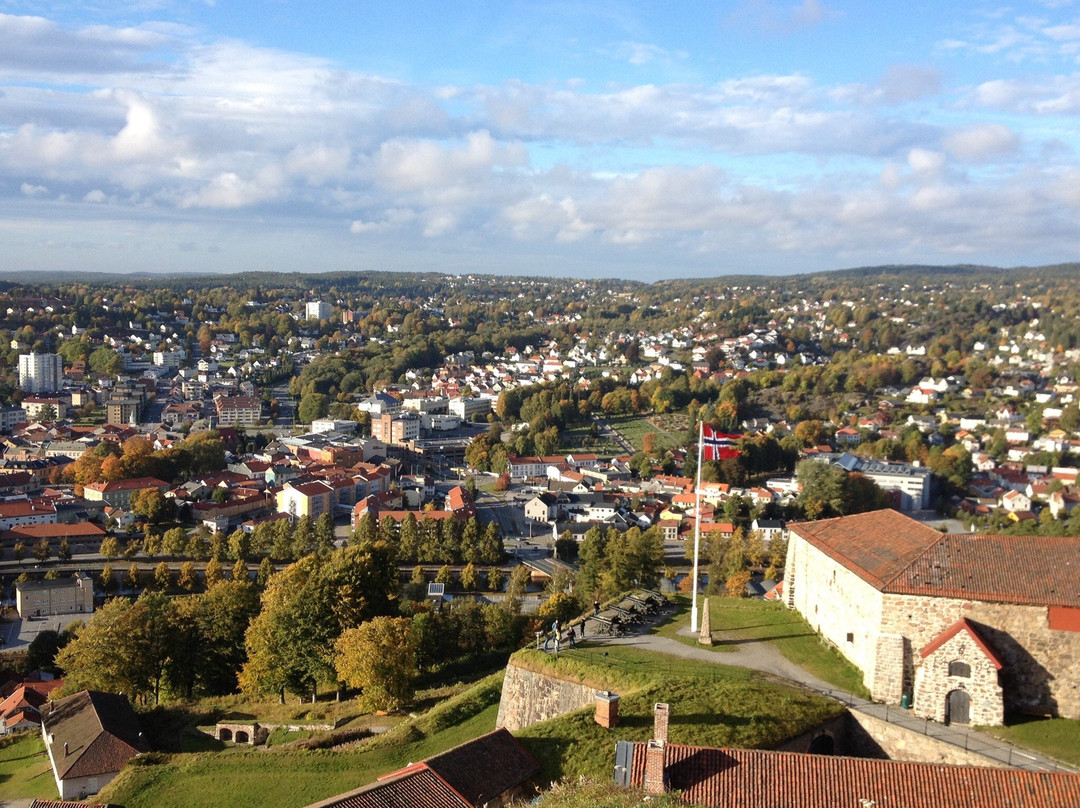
(60, 596)
(966, 627)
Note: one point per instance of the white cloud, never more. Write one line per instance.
(982, 143)
(926, 162)
(33, 190)
(95, 196)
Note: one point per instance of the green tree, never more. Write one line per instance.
(107, 579)
(312, 406)
(264, 573)
(174, 541)
(152, 505)
(197, 546)
(213, 573)
(470, 578)
(188, 578)
(516, 588)
(123, 648)
(42, 550)
(64, 553)
(239, 571)
(239, 545)
(379, 657)
(324, 533)
(162, 576)
(131, 578)
(495, 579)
(110, 547)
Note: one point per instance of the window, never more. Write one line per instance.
(959, 668)
(850, 637)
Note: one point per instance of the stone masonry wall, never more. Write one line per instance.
(1040, 663)
(872, 737)
(837, 603)
(933, 682)
(888, 679)
(529, 697)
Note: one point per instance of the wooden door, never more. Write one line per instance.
(957, 707)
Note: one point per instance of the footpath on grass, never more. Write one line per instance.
(760, 655)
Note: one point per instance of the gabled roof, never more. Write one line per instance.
(724, 778)
(467, 776)
(100, 729)
(960, 625)
(415, 787)
(877, 546)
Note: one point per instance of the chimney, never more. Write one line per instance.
(661, 712)
(65, 749)
(656, 751)
(607, 709)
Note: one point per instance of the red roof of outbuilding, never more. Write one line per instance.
(755, 778)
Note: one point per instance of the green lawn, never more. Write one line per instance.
(736, 620)
(24, 768)
(711, 705)
(1055, 737)
(288, 779)
(634, 428)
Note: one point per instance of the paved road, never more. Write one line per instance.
(762, 656)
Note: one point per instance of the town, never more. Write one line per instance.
(341, 501)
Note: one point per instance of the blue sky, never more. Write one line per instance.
(636, 140)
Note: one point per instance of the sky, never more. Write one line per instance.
(638, 140)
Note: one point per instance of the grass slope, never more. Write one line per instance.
(711, 705)
(1055, 737)
(24, 768)
(245, 778)
(737, 620)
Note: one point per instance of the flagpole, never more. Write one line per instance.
(697, 535)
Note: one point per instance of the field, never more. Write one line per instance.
(24, 768)
(634, 428)
(737, 620)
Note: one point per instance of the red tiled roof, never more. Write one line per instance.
(482, 769)
(1038, 570)
(898, 555)
(960, 625)
(877, 546)
(754, 778)
(135, 484)
(466, 776)
(59, 530)
(416, 787)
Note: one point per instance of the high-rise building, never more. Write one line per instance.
(40, 373)
(317, 310)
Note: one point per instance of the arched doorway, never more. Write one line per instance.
(822, 745)
(225, 734)
(241, 736)
(958, 707)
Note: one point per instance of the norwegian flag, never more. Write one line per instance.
(717, 445)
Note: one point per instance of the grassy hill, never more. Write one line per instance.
(711, 704)
(258, 778)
